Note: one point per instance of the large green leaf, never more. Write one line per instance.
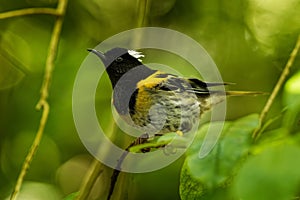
(269, 23)
(207, 178)
(273, 174)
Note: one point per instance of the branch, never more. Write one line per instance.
(42, 103)
(52, 53)
(278, 86)
(29, 11)
(140, 140)
(95, 171)
(142, 12)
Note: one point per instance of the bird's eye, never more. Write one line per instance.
(119, 59)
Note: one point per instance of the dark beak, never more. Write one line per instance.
(99, 54)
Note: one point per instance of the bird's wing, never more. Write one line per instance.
(198, 87)
(170, 82)
(161, 81)
(196, 82)
(201, 88)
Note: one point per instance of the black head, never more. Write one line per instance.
(118, 61)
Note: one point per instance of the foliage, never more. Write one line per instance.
(239, 169)
(250, 41)
(207, 177)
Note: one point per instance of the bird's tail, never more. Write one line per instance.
(216, 97)
(244, 93)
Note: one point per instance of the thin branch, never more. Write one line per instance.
(29, 11)
(43, 104)
(140, 140)
(52, 52)
(32, 151)
(95, 170)
(142, 12)
(276, 89)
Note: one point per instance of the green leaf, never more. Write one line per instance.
(273, 138)
(291, 99)
(264, 18)
(208, 178)
(161, 141)
(23, 40)
(273, 174)
(72, 196)
(10, 75)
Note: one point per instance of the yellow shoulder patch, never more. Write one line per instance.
(151, 81)
(144, 99)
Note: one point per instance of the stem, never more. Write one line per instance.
(256, 134)
(29, 11)
(142, 12)
(32, 151)
(95, 171)
(42, 103)
(52, 51)
(117, 170)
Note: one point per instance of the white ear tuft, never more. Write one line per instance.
(136, 54)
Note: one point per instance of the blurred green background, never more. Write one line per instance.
(250, 42)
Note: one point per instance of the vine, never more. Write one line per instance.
(42, 104)
(256, 134)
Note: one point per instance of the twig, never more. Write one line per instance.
(95, 170)
(276, 89)
(52, 52)
(29, 11)
(140, 140)
(42, 103)
(32, 151)
(142, 12)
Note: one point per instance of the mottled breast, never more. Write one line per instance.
(164, 103)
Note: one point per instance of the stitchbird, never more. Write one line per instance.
(156, 101)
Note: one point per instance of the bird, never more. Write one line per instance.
(155, 101)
